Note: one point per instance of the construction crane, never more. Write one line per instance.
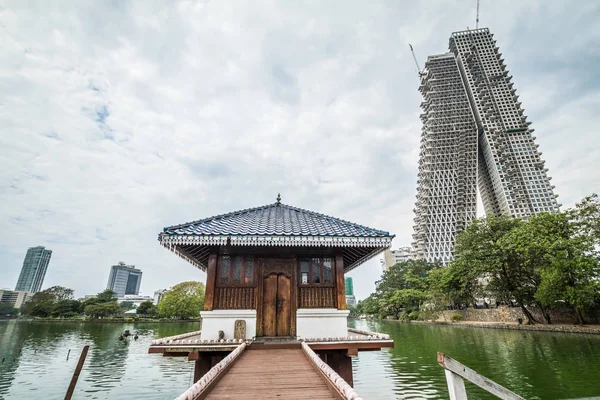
(419, 71)
(477, 16)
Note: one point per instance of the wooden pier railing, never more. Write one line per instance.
(200, 389)
(457, 372)
(335, 382)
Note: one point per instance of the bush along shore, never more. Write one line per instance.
(591, 329)
(544, 270)
(183, 302)
(112, 320)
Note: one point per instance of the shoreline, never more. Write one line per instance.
(103, 321)
(563, 328)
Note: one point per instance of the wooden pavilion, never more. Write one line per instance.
(275, 275)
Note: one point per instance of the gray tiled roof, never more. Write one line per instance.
(275, 219)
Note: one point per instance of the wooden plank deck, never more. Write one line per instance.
(270, 374)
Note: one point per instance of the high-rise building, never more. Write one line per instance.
(393, 257)
(14, 297)
(474, 135)
(349, 286)
(34, 269)
(124, 279)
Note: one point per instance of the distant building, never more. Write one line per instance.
(349, 286)
(135, 299)
(393, 257)
(159, 295)
(15, 297)
(34, 269)
(124, 279)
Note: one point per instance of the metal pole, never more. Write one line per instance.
(71, 388)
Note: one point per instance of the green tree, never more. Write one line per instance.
(7, 309)
(565, 246)
(488, 246)
(147, 308)
(101, 310)
(368, 306)
(40, 305)
(106, 296)
(66, 308)
(185, 300)
(411, 274)
(405, 300)
(60, 293)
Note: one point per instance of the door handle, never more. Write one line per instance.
(280, 304)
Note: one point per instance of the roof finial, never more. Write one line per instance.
(278, 198)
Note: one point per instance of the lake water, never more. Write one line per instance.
(533, 364)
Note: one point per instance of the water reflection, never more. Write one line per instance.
(112, 368)
(536, 365)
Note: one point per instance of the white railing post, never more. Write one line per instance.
(456, 386)
(456, 372)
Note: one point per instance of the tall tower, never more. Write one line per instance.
(512, 177)
(474, 130)
(124, 279)
(34, 269)
(447, 179)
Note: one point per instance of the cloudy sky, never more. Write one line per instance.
(118, 118)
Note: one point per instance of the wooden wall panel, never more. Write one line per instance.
(316, 297)
(235, 298)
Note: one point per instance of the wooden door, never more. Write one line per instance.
(276, 311)
(270, 305)
(283, 305)
(276, 305)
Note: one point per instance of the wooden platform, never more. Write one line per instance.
(276, 373)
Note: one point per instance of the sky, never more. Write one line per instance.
(118, 118)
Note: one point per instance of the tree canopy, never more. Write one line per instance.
(548, 261)
(101, 310)
(7, 309)
(185, 300)
(147, 308)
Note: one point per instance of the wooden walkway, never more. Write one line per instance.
(270, 374)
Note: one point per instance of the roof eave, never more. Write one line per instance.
(277, 240)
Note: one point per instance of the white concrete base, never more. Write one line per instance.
(224, 320)
(321, 323)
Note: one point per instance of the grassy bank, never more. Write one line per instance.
(593, 329)
(113, 320)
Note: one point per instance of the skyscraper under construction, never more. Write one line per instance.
(474, 135)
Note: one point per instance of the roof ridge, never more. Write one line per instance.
(334, 218)
(231, 213)
(271, 205)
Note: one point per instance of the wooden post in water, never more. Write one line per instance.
(82, 357)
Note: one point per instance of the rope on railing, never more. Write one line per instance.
(199, 387)
(340, 384)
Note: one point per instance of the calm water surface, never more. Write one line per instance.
(534, 364)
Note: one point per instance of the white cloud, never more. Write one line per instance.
(115, 122)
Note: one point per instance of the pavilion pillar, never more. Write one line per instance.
(211, 277)
(339, 282)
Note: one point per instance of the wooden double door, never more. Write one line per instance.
(277, 305)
